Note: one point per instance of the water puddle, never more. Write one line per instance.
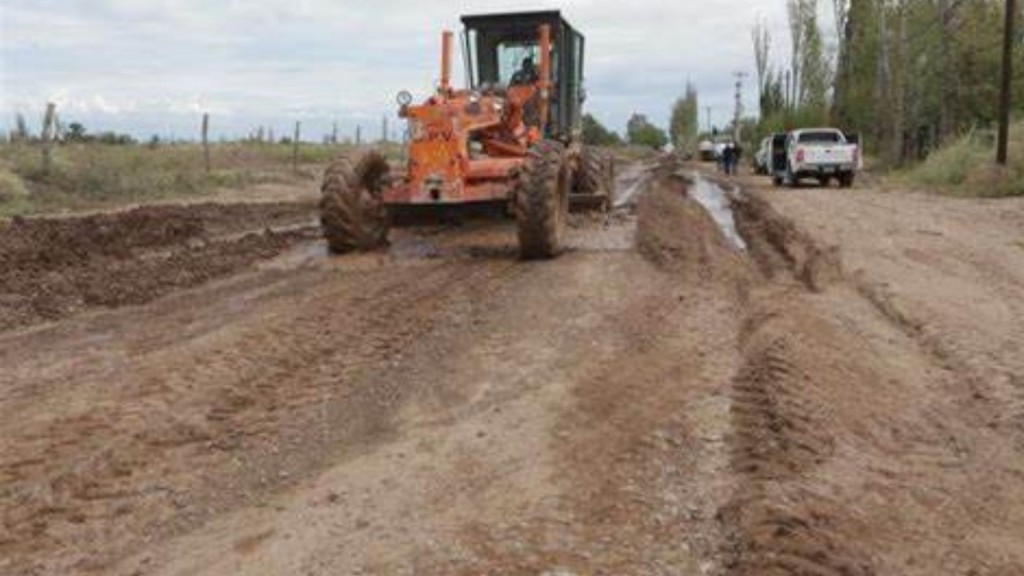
(716, 201)
(630, 182)
(304, 254)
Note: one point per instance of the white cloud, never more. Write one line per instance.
(257, 61)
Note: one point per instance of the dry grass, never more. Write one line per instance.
(97, 176)
(966, 167)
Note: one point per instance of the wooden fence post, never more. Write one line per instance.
(47, 136)
(206, 141)
(295, 147)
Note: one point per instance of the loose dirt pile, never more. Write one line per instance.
(54, 267)
(862, 446)
(676, 233)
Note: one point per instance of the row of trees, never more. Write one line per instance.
(71, 132)
(684, 124)
(640, 131)
(906, 74)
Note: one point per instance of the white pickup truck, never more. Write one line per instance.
(819, 153)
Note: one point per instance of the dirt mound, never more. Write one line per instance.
(676, 233)
(778, 245)
(785, 425)
(55, 266)
(860, 444)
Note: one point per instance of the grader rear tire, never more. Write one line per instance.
(352, 212)
(594, 176)
(542, 201)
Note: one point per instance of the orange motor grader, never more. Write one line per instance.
(511, 139)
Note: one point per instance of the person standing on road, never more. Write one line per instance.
(730, 158)
(737, 155)
(726, 158)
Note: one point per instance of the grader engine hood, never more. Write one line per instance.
(435, 155)
(440, 166)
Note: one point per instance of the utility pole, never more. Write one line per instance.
(384, 130)
(739, 106)
(707, 110)
(1004, 100)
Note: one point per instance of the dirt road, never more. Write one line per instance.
(842, 397)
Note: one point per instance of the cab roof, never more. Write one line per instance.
(516, 20)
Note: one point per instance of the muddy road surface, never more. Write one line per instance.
(56, 267)
(787, 393)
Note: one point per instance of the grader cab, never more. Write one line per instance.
(509, 138)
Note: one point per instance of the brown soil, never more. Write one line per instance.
(54, 267)
(874, 435)
(840, 399)
(680, 236)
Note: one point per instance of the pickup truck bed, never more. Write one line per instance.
(822, 154)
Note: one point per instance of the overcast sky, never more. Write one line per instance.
(153, 66)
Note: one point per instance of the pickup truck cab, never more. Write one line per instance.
(822, 154)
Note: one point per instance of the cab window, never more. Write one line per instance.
(518, 62)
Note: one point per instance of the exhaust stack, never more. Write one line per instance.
(446, 60)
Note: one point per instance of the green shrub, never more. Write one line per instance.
(11, 187)
(966, 167)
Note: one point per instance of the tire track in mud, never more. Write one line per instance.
(262, 420)
(780, 245)
(55, 267)
(783, 430)
(780, 401)
(782, 414)
(641, 444)
(780, 420)
(831, 482)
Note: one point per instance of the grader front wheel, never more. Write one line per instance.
(542, 201)
(352, 212)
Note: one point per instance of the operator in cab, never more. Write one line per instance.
(527, 74)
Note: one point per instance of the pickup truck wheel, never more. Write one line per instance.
(777, 180)
(791, 179)
(823, 181)
(846, 180)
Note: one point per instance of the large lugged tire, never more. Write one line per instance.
(594, 175)
(542, 201)
(352, 212)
